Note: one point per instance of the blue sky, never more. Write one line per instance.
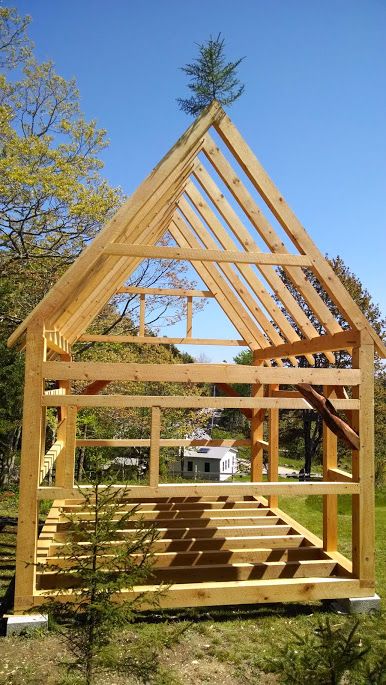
(314, 108)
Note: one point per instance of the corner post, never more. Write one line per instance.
(363, 506)
(30, 467)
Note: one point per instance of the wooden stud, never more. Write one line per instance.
(273, 448)
(330, 502)
(189, 316)
(164, 292)
(257, 431)
(142, 304)
(155, 340)
(154, 446)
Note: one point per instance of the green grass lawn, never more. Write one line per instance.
(221, 646)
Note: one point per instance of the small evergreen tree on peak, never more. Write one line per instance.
(211, 78)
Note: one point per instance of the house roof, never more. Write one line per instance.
(209, 452)
(219, 232)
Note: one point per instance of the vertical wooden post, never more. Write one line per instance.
(257, 431)
(330, 502)
(189, 316)
(30, 468)
(154, 446)
(60, 464)
(142, 304)
(363, 514)
(273, 448)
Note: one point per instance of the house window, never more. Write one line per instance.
(207, 467)
(190, 465)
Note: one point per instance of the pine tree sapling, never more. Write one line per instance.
(211, 78)
(108, 549)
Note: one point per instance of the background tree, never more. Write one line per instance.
(211, 78)
(53, 201)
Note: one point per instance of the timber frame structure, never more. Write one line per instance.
(225, 543)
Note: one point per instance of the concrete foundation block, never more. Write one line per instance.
(357, 605)
(21, 623)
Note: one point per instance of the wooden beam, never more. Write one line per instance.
(191, 255)
(154, 340)
(257, 431)
(323, 343)
(27, 529)
(225, 295)
(164, 292)
(163, 442)
(229, 272)
(324, 407)
(197, 373)
(272, 277)
(268, 233)
(142, 305)
(294, 229)
(330, 502)
(263, 489)
(154, 447)
(363, 506)
(186, 402)
(339, 475)
(273, 448)
(145, 196)
(189, 316)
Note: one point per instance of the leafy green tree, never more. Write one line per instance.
(211, 78)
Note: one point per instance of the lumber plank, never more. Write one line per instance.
(228, 489)
(145, 194)
(164, 292)
(267, 232)
(229, 302)
(330, 502)
(155, 340)
(325, 408)
(163, 442)
(233, 592)
(295, 230)
(229, 272)
(323, 343)
(26, 542)
(270, 275)
(196, 254)
(186, 401)
(363, 506)
(154, 446)
(198, 373)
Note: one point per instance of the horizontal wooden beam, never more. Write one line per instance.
(187, 402)
(153, 340)
(182, 595)
(323, 343)
(339, 475)
(164, 442)
(204, 255)
(163, 292)
(57, 342)
(197, 373)
(214, 490)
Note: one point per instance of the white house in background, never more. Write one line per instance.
(209, 463)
